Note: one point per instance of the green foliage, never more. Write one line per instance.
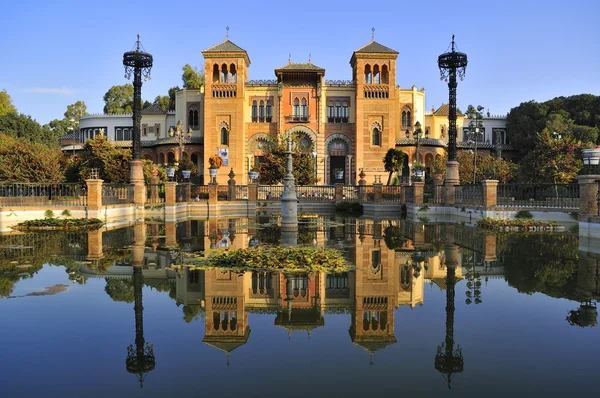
(119, 99)
(518, 225)
(192, 77)
(120, 290)
(50, 222)
(355, 208)
(192, 313)
(394, 239)
(550, 161)
(112, 162)
(6, 105)
(288, 259)
(524, 214)
(393, 162)
(167, 102)
(576, 117)
(488, 168)
(272, 168)
(148, 165)
(66, 213)
(19, 125)
(29, 162)
(76, 111)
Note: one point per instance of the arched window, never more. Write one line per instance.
(304, 108)
(368, 74)
(296, 110)
(254, 112)
(376, 137)
(376, 75)
(345, 113)
(330, 113)
(269, 111)
(338, 112)
(215, 73)
(261, 112)
(408, 119)
(224, 136)
(193, 116)
(385, 79)
(232, 74)
(224, 73)
(404, 119)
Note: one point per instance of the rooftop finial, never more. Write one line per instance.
(290, 58)
(452, 43)
(138, 42)
(309, 58)
(227, 32)
(373, 34)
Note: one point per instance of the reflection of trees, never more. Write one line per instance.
(192, 312)
(394, 239)
(271, 234)
(545, 263)
(120, 289)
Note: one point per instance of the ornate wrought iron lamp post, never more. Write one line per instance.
(452, 64)
(180, 136)
(476, 129)
(138, 63)
(140, 359)
(289, 200)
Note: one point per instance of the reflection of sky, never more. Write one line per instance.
(74, 344)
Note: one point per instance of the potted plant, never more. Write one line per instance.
(339, 174)
(171, 169)
(253, 173)
(419, 169)
(214, 162)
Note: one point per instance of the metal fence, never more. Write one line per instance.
(240, 192)
(181, 193)
(113, 194)
(316, 193)
(391, 193)
(365, 193)
(409, 194)
(561, 196)
(34, 194)
(155, 193)
(471, 195)
(199, 193)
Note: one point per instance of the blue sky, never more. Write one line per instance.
(55, 53)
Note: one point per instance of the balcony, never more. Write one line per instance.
(261, 119)
(337, 120)
(297, 118)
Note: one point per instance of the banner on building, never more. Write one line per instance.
(224, 154)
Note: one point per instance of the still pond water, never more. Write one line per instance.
(444, 310)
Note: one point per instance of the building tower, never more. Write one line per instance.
(226, 70)
(374, 76)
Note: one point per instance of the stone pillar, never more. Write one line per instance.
(489, 250)
(588, 196)
(339, 192)
(378, 192)
(154, 189)
(170, 233)
(403, 188)
(490, 193)
(438, 194)
(170, 193)
(418, 187)
(139, 243)
(94, 194)
(231, 186)
(213, 193)
(188, 192)
(252, 192)
(452, 179)
(95, 245)
(139, 194)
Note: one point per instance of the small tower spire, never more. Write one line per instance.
(290, 58)
(227, 33)
(309, 58)
(373, 34)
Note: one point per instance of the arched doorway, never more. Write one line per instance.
(339, 158)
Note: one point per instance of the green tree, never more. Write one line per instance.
(192, 77)
(19, 125)
(119, 99)
(167, 102)
(488, 168)
(120, 290)
(76, 111)
(272, 168)
(112, 162)
(29, 162)
(6, 105)
(523, 123)
(393, 162)
(552, 160)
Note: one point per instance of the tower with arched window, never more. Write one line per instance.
(226, 71)
(374, 77)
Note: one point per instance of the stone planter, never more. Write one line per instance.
(419, 173)
(591, 156)
(213, 173)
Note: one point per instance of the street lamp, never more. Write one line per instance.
(180, 137)
(417, 134)
(475, 128)
(314, 155)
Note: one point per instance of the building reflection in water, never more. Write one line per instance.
(394, 261)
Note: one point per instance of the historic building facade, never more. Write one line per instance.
(343, 125)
